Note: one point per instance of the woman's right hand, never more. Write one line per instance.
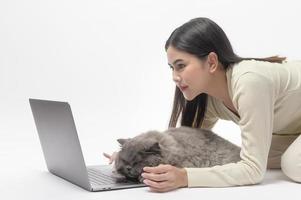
(111, 157)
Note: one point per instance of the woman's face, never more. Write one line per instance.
(190, 74)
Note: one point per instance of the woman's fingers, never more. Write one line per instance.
(158, 169)
(114, 155)
(110, 157)
(164, 178)
(156, 185)
(155, 177)
(106, 155)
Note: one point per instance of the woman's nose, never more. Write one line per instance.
(176, 78)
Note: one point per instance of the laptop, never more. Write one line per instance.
(62, 151)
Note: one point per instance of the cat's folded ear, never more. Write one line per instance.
(122, 141)
(155, 148)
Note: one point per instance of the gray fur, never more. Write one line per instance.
(180, 147)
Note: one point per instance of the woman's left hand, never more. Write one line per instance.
(163, 178)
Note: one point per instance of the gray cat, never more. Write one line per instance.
(180, 147)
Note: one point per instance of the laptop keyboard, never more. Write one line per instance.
(99, 177)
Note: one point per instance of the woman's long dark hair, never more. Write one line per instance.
(199, 37)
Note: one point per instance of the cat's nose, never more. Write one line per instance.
(128, 168)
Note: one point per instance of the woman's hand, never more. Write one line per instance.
(164, 178)
(111, 157)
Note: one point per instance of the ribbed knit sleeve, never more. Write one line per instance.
(253, 96)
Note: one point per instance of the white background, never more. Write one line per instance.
(107, 59)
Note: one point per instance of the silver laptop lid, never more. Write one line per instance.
(59, 141)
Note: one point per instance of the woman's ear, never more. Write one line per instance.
(212, 61)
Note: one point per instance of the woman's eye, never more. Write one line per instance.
(181, 66)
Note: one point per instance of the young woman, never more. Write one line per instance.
(261, 95)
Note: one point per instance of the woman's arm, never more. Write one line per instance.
(254, 97)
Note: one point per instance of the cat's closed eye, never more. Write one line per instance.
(125, 162)
(147, 152)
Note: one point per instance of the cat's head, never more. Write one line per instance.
(138, 152)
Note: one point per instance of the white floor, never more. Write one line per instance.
(23, 176)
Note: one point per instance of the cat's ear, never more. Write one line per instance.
(155, 148)
(122, 141)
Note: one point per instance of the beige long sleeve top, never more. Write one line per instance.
(267, 97)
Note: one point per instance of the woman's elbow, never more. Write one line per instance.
(255, 175)
(257, 178)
